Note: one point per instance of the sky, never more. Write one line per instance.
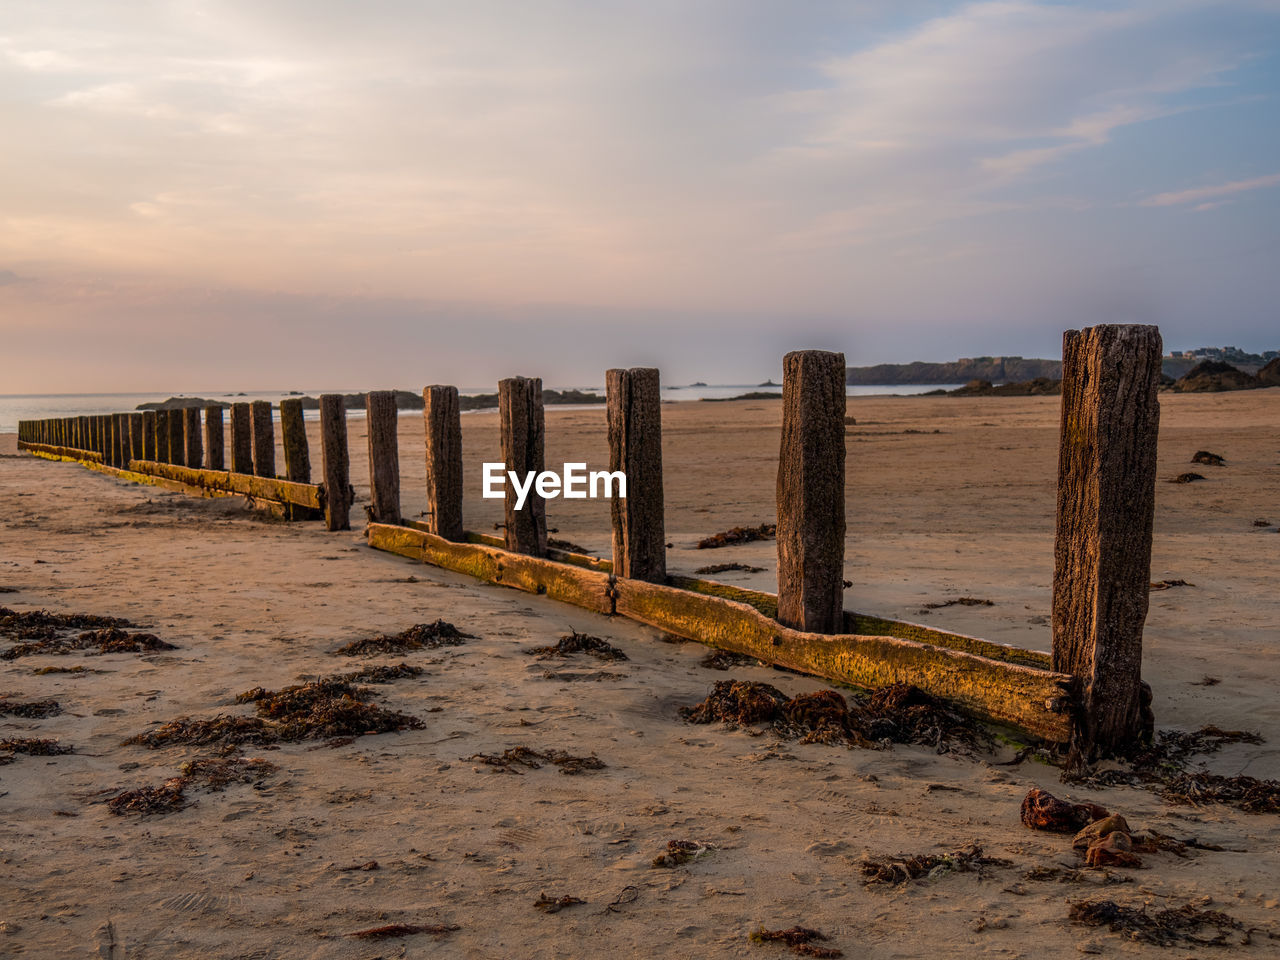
(207, 196)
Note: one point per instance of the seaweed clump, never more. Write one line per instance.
(899, 713)
(579, 643)
(211, 773)
(726, 660)
(735, 535)
(29, 709)
(926, 866)
(799, 939)
(390, 930)
(1044, 811)
(382, 673)
(420, 636)
(31, 746)
(726, 567)
(680, 852)
(1162, 767)
(1164, 928)
(318, 710)
(534, 759)
(555, 904)
(108, 639)
(43, 625)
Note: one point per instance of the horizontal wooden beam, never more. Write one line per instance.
(51, 452)
(999, 683)
(309, 495)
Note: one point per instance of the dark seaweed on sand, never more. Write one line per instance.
(924, 866)
(319, 710)
(167, 798)
(579, 643)
(726, 660)
(421, 636)
(391, 930)
(799, 939)
(1164, 928)
(43, 625)
(32, 746)
(726, 567)
(534, 759)
(899, 713)
(555, 904)
(1162, 767)
(213, 774)
(680, 852)
(110, 639)
(30, 709)
(383, 673)
(735, 535)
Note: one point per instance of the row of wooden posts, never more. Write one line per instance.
(1105, 503)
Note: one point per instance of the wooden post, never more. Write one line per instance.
(100, 435)
(264, 439)
(149, 435)
(162, 436)
(293, 431)
(811, 492)
(191, 429)
(442, 415)
(135, 437)
(177, 438)
(520, 411)
(82, 433)
(114, 444)
(241, 439)
(634, 415)
(384, 456)
(1106, 505)
(333, 450)
(124, 449)
(214, 442)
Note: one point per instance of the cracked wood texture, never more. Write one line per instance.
(442, 419)
(214, 443)
(634, 413)
(384, 456)
(520, 411)
(293, 433)
(195, 445)
(337, 462)
(241, 438)
(811, 492)
(1106, 505)
(264, 439)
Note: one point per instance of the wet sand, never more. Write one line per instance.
(259, 872)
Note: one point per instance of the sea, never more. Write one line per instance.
(15, 407)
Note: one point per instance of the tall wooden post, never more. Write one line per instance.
(441, 413)
(384, 456)
(149, 435)
(293, 432)
(811, 492)
(82, 433)
(100, 440)
(177, 438)
(1106, 505)
(114, 446)
(162, 436)
(337, 464)
(135, 436)
(214, 442)
(241, 439)
(523, 428)
(264, 440)
(191, 428)
(634, 414)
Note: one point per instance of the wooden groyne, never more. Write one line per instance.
(1088, 692)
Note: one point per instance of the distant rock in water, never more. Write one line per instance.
(1036, 387)
(1213, 376)
(486, 401)
(180, 403)
(753, 395)
(992, 369)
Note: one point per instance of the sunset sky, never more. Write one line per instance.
(205, 196)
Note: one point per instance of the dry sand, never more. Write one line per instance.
(964, 511)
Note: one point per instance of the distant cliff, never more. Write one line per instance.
(993, 369)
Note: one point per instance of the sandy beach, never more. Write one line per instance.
(947, 498)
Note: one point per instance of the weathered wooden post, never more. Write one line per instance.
(634, 415)
(191, 430)
(293, 432)
(441, 413)
(122, 448)
(384, 456)
(115, 450)
(135, 437)
(810, 492)
(82, 433)
(523, 429)
(1106, 506)
(100, 436)
(337, 465)
(149, 435)
(214, 442)
(241, 439)
(264, 439)
(162, 436)
(177, 438)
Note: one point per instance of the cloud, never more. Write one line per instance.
(1199, 194)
